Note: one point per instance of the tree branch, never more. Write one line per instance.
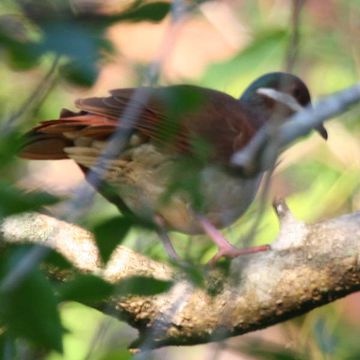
(308, 266)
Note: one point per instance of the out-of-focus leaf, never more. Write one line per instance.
(153, 12)
(117, 355)
(57, 260)
(194, 272)
(142, 286)
(186, 179)
(20, 54)
(68, 38)
(81, 45)
(262, 350)
(85, 289)
(177, 101)
(9, 146)
(14, 200)
(80, 74)
(58, 10)
(7, 346)
(265, 48)
(28, 307)
(326, 341)
(110, 233)
(79, 36)
(50, 257)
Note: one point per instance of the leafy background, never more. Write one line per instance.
(84, 48)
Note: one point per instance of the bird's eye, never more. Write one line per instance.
(296, 92)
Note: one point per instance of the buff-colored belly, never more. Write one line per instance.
(143, 175)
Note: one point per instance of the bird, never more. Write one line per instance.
(175, 167)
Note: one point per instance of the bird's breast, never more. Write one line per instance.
(151, 181)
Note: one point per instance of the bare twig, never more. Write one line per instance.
(36, 97)
(126, 122)
(294, 41)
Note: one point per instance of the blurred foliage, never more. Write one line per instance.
(110, 233)
(32, 32)
(28, 304)
(320, 180)
(14, 201)
(79, 36)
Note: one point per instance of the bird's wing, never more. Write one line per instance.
(173, 116)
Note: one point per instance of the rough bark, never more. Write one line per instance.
(308, 266)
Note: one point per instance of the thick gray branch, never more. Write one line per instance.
(309, 265)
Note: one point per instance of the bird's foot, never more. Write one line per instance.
(225, 248)
(232, 252)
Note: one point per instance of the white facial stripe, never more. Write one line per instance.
(281, 97)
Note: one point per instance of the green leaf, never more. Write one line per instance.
(14, 200)
(57, 260)
(85, 289)
(9, 146)
(325, 338)
(265, 49)
(19, 49)
(28, 307)
(80, 73)
(153, 12)
(142, 286)
(121, 354)
(110, 233)
(195, 273)
(50, 257)
(7, 346)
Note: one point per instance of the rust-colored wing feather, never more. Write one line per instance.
(217, 118)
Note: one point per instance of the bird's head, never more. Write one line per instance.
(277, 96)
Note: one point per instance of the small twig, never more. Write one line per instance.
(294, 41)
(36, 96)
(126, 122)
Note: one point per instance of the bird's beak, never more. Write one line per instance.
(322, 131)
(290, 102)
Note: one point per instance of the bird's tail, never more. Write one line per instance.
(48, 140)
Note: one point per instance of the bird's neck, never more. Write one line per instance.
(257, 111)
(262, 111)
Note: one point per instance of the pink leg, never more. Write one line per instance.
(225, 248)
